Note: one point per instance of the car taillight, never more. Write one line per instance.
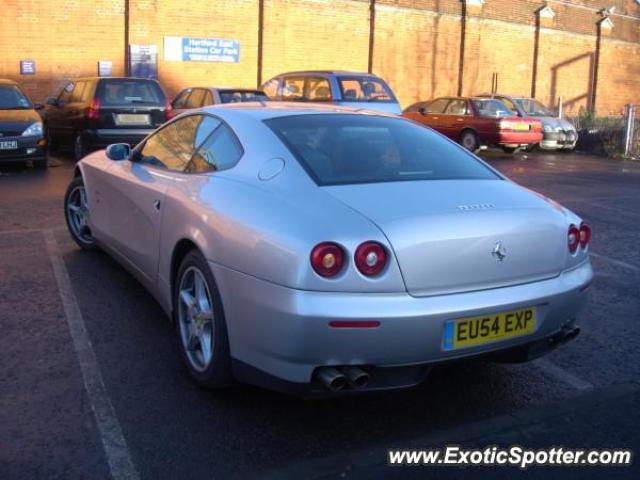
(585, 234)
(327, 259)
(536, 126)
(370, 258)
(93, 113)
(573, 238)
(169, 110)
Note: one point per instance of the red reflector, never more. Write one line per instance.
(585, 235)
(354, 324)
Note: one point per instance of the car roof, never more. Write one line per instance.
(6, 81)
(83, 79)
(235, 89)
(265, 110)
(328, 72)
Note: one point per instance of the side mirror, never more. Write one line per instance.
(38, 106)
(118, 151)
(53, 101)
(422, 111)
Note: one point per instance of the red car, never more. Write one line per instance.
(475, 121)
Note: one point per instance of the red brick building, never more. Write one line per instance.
(424, 48)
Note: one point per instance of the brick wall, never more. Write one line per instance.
(416, 46)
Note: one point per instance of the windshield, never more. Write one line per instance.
(533, 107)
(364, 89)
(491, 107)
(11, 98)
(234, 96)
(346, 149)
(130, 92)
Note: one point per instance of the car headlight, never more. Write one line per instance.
(547, 128)
(33, 130)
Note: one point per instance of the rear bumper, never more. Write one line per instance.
(29, 148)
(283, 334)
(517, 139)
(100, 138)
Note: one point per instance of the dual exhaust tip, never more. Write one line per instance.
(336, 378)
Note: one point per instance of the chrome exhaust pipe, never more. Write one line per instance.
(356, 377)
(568, 334)
(331, 378)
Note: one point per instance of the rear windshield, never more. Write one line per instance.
(346, 149)
(11, 98)
(234, 96)
(490, 107)
(533, 107)
(364, 89)
(130, 92)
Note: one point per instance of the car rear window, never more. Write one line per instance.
(234, 96)
(490, 107)
(343, 149)
(130, 92)
(364, 89)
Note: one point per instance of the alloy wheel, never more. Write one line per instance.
(78, 214)
(196, 319)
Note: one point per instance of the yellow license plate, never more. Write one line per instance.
(521, 126)
(132, 119)
(473, 331)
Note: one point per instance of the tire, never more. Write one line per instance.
(200, 323)
(77, 219)
(42, 163)
(510, 150)
(52, 144)
(469, 140)
(79, 147)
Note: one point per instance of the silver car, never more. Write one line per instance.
(558, 133)
(322, 250)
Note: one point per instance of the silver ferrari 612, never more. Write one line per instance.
(322, 250)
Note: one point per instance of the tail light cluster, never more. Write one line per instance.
(578, 237)
(169, 110)
(328, 259)
(93, 112)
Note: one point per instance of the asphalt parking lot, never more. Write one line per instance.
(586, 394)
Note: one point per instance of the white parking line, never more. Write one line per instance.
(620, 263)
(115, 446)
(563, 375)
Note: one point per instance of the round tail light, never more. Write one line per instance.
(573, 238)
(327, 259)
(370, 258)
(585, 235)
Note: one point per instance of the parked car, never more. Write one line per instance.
(558, 133)
(319, 250)
(21, 135)
(476, 122)
(349, 89)
(91, 113)
(197, 97)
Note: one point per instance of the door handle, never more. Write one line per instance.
(156, 205)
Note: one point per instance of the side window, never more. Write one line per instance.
(509, 104)
(437, 106)
(172, 147)
(457, 107)
(76, 95)
(220, 151)
(195, 99)
(318, 89)
(180, 100)
(208, 98)
(293, 89)
(271, 88)
(65, 94)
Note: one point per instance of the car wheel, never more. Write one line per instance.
(52, 145)
(79, 147)
(510, 150)
(76, 213)
(41, 163)
(469, 140)
(200, 323)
